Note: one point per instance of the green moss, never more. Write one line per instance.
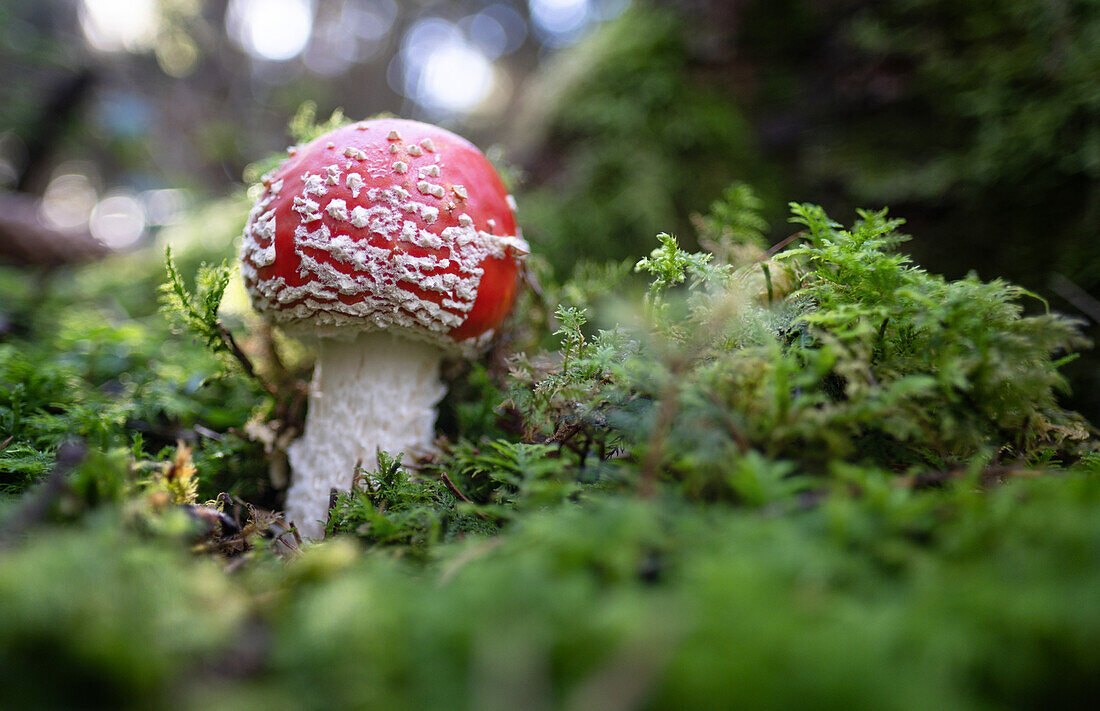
(812, 472)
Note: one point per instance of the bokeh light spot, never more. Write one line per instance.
(456, 78)
(118, 221)
(560, 22)
(333, 49)
(275, 30)
(486, 33)
(442, 71)
(164, 207)
(68, 199)
(113, 25)
(513, 24)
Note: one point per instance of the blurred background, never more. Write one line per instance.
(128, 123)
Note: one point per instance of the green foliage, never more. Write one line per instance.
(978, 119)
(388, 506)
(86, 368)
(512, 478)
(733, 221)
(101, 479)
(816, 474)
(770, 456)
(199, 310)
(670, 265)
(952, 597)
(867, 360)
(115, 617)
(980, 373)
(1020, 75)
(645, 145)
(592, 281)
(43, 404)
(567, 403)
(303, 128)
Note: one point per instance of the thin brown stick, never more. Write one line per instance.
(6, 443)
(776, 248)
(531, 281)
(267, 336)
(244, 360)
(455, 490)
(451, 485)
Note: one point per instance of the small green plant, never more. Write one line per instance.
(978, 372)
(303, 127)
(391, 507)
(198, 311)
(733, 223)
(508, 479)
(669, 265)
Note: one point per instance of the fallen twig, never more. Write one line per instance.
(457, 492)
(244, 361)
(778, 247)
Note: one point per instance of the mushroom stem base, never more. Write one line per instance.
(378, 391)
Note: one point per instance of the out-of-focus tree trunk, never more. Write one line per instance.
(28, 240)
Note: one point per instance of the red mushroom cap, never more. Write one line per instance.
(385, 224)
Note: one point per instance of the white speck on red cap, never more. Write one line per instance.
(313, 184)
(428, 145)
(359, 216)
(415, 150)
(430, 189)
(429, 214)
(355, 183)
(459, 191)
(400, 167)
(307, 208)
(393, 136)
(338, 209)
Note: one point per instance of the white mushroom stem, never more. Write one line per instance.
(378, 391)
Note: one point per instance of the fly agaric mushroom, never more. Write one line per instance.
(394, 242)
